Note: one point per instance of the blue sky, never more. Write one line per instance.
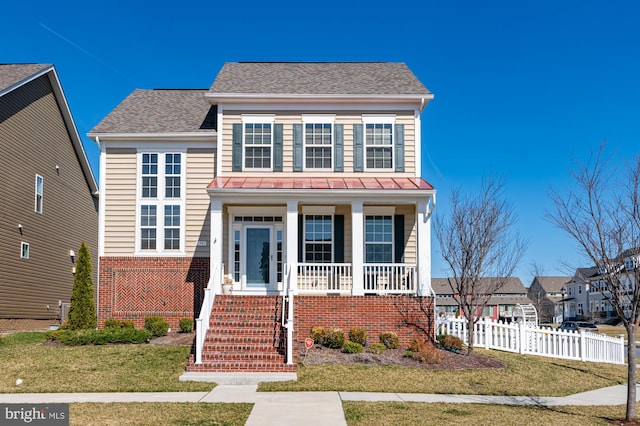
(521, 88)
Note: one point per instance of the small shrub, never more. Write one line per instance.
(352, 348)
(377, 348)
(333, 338)
(116, 323)
(390, 340)
(156, 325)
(99, 337)
(452, 342)
(358, 335)
(186, 325)
(408, 354)
(317, 334)
(428, 354)
(416, 345)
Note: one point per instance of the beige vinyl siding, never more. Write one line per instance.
(119, 196)
(120, 199)
(409, 212)
(347, 118)
(34, 139)
(200, 172)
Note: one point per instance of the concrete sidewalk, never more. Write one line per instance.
(315, 408)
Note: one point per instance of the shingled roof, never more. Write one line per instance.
(513, 285)
(160, 111)
(317, 78)
(12, 74)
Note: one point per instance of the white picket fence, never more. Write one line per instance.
(526, 339)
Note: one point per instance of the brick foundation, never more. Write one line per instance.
(409, 317)
(133, 288)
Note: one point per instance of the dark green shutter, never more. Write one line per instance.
(399, 144)
(236, 153)
(398, 238)
(338, 243)
(277, 147)
(358, 148)
(297, 147)
(338, 148)
(300, 238)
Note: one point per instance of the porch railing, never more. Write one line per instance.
(324, 277)
(379, 278)
(389, 278)
(202, 322)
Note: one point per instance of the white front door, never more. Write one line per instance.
(259, 266)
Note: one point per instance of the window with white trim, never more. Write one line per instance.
(258, 143)
(318, 146)
(318, 238)
(39, 193)
(378, 239)
(24, 250)
(161, 202)
(378, 146)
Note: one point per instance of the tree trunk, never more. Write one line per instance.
(470, 336)
(631, 372)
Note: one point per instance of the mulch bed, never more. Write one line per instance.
(450, 360)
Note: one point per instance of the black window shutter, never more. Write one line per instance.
(277, 147)
(297, 147)
(236, 153)
(358, 148)
(338, 148)
(300, 238)
(398, 238)
(399, 146)
(338, 243)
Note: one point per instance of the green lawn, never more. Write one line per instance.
(524, 375)
(418, 414)
(110, 368)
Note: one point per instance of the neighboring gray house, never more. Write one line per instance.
(49, 196)
(499, 307)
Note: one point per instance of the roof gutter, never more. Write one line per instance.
(424, 101)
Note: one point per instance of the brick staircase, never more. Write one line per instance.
(245, 335)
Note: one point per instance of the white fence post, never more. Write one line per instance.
(487, 333)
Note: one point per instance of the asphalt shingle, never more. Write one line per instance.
(317, 78)
(11, 74)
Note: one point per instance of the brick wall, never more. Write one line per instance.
(136, 287)
(409, 317)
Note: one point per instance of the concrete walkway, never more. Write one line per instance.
(314, 408)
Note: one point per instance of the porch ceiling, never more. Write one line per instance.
(319, 183)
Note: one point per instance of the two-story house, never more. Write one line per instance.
(49, 196)
(294, 184)
(546, 293)
(500, 305)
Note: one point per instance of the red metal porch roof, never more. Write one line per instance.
(368, 183)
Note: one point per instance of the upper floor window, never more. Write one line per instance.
(629, 264)
(39, 193)
(318, 143)
(160, 215)
(257, 145)
(379, 141)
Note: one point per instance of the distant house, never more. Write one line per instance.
(283, 187)
(545, 293)
(500, 305)
(49, 196)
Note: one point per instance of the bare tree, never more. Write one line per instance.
(602, 214)
(479, 247)
(537, 294)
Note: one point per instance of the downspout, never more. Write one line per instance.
(97, 140)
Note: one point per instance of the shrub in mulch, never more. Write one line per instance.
(98, 337)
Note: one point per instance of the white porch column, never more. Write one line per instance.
(291, 253)
(424, 248)
(216, 243)
(357, 247)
